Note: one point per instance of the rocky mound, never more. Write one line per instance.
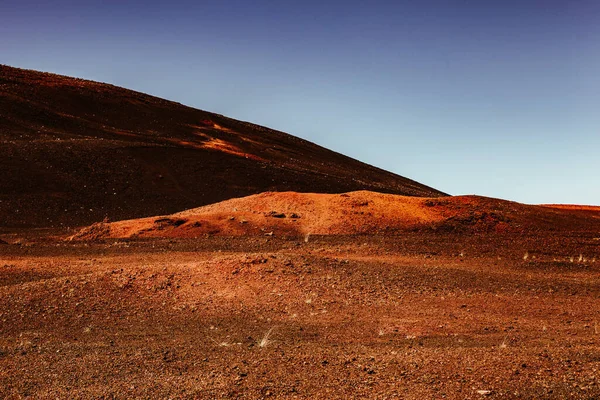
(361, 212)
(74, 151)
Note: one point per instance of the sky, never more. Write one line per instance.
(496, 98)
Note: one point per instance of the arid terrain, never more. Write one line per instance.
(152, 251)
(458, 310)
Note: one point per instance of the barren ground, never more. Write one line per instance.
(415, 316)
(275, 295)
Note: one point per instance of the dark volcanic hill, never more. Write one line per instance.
(75, 151)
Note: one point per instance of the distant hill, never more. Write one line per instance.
(73, 152)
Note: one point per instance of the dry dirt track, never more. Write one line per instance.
(415, 316)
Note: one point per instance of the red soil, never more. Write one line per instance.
(420, 315)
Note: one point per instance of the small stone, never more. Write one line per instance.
(275, 214)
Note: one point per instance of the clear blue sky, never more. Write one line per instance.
(498, 98)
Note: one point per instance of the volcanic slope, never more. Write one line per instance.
(74, 151)
(362, 212)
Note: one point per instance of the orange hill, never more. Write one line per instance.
(360, 212)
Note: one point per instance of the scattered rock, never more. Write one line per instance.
(275, 214)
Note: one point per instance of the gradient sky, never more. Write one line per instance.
(497, 98)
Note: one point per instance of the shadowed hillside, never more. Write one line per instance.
(74, 152)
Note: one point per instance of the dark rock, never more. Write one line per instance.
(275, 214)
